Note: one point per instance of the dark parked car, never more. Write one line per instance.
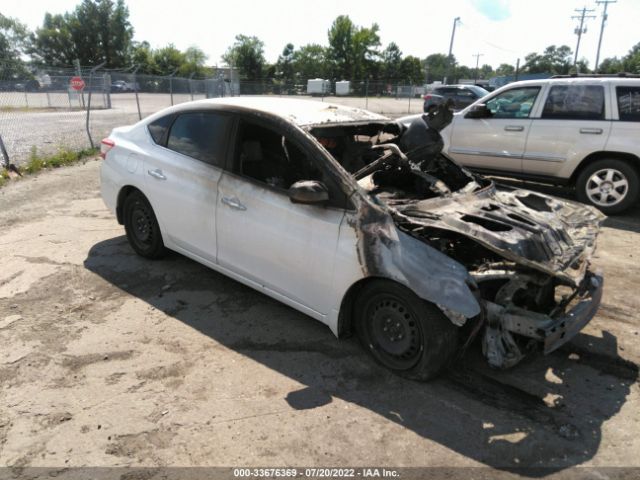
(120, 86)
(461, 96)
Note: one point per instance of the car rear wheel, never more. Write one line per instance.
(611, 185)
(141, 227)
(403, 332)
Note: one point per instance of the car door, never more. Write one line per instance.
(573, 123)
(497, 142)
(182, 175)
(287, 248)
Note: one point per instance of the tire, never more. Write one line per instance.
(141, 226)
(409, 336)
(611, 185)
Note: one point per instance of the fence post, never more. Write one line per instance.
(410, 95)
(93, 70)
(171, 84)
(5, 155)
(366, 95)
(190, 88)
(106, 89)
(135, 89)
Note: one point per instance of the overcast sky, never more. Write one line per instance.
(501, 30)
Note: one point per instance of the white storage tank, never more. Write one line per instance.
(343, 87)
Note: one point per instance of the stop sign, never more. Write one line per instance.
(77, 83)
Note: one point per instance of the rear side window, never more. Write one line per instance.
(201, 135)
(575, 102)
(158, 128)
(628, 103)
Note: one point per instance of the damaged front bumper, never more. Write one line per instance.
(553, 330)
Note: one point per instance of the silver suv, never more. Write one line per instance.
(580, 131)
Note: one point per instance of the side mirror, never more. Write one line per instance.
(479, 111)
(310, 192)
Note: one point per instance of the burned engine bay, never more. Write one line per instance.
(526, 254)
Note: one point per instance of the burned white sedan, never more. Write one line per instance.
(359, 222)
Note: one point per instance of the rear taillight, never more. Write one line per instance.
(105, 145)
(426, 97)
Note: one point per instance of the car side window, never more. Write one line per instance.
(628, 103)
(513, 103)
(159, 128)
(574, 102)
(272, 158)
(269, 157)
(201, 135)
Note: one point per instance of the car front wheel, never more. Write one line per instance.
(611, 185)
(141, 227)
(403, 332)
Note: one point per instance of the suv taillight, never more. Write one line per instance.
(426, 97)
(105, 145)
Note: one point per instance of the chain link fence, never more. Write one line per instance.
(41, 113)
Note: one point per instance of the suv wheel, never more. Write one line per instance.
(611, 185)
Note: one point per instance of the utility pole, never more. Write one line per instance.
(477, 55)
(581, 29)
(453, 34)
(604, 20)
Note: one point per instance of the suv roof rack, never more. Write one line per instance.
(598, 75)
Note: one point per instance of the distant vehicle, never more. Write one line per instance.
(578, 131)
(460, 95)
(120, 86)
(318, 86)
(28, 86)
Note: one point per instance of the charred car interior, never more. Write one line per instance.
(527, 254)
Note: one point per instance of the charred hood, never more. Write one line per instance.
(548, 234)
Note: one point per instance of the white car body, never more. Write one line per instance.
(317, 257)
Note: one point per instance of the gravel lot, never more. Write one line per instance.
(111, 360)
(51, 129)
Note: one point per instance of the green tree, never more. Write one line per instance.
(555, 60)
(435, 66)
(310, 61)
(391, 59)
(284, 65)
(14, 42)
(611, 65)
(505, 69)
(96, 31)
(168, 59)
(411, 70)
(631, 62)
(142, 56)
(247, 55)
(352, 50)
(486, 72)
(194, 60)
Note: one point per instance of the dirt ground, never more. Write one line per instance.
(107, 359)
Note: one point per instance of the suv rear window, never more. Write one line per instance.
(575, 102)
(200, 135)
(628, 103)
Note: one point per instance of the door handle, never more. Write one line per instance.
(514, 128)
(157, 173)
(595, 131)
(233, 203)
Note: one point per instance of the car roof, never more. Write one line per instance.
(301, 112)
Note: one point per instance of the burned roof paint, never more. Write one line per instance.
(303, 113)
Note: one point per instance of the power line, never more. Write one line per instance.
(581, 29)
(604, 20)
